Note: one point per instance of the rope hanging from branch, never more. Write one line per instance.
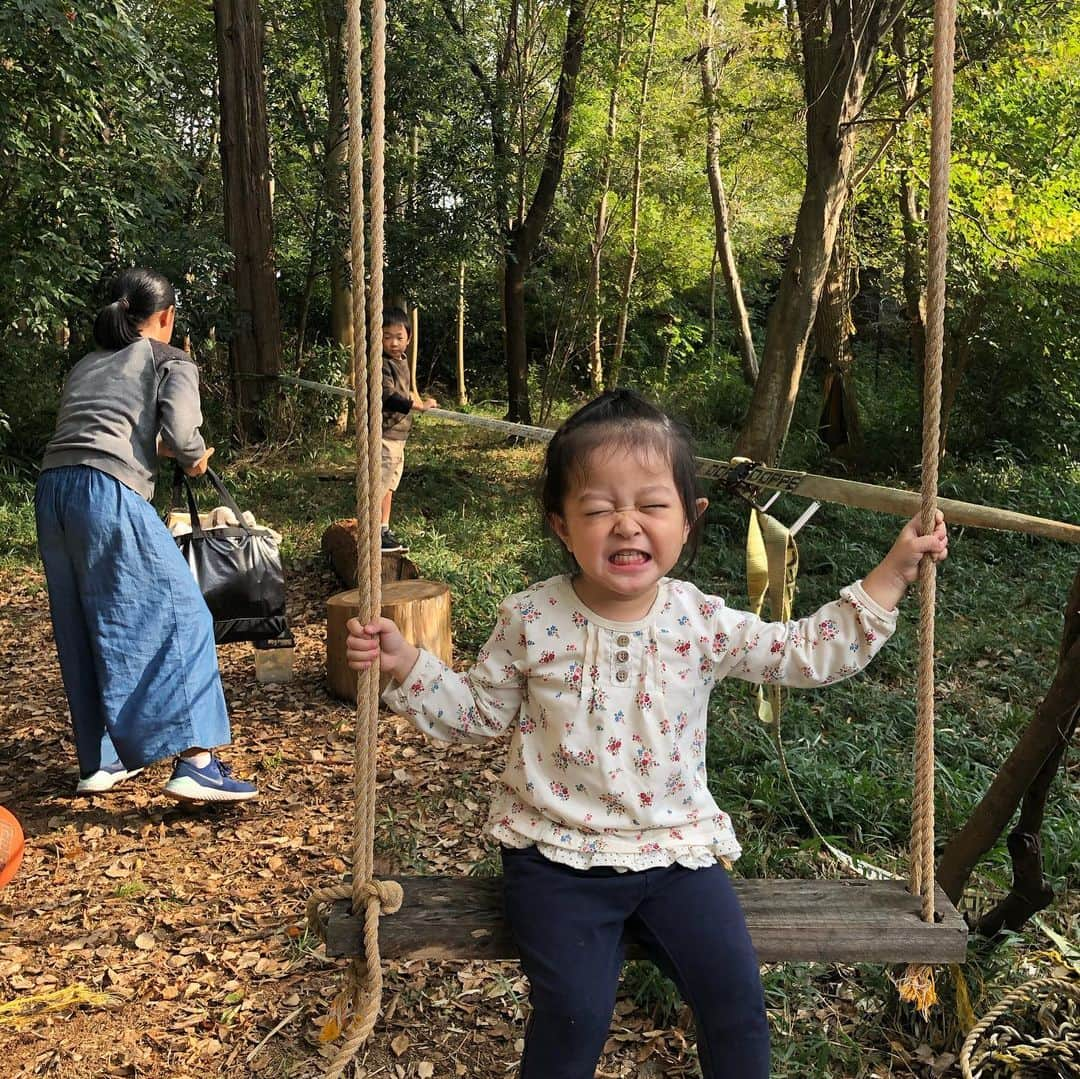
(916, 985)
(922, 854)
(356, 1007)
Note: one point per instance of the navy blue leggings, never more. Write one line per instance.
(568, 925)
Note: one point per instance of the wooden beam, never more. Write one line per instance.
(748, 480)
(822, 921)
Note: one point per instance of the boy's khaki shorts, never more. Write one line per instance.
(393, 463)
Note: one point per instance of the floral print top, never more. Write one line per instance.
(606, 763)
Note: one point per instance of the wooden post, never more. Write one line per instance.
(421, 610)
(414, 344)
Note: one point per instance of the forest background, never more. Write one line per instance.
(722, 204)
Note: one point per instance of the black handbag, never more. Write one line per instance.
(237, 568)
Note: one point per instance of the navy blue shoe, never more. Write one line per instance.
(104, 779)
(214, 783)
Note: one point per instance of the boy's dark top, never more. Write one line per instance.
(397, 417)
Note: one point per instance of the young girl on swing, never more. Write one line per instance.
(603, 678)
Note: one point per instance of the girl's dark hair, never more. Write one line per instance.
(625, 420)
(395, 316)
(133, 296)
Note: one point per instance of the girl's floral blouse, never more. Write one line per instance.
(607, 748)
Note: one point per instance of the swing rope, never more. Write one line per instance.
(922, 837)
(356, 1007)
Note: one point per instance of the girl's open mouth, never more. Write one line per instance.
(629, 558)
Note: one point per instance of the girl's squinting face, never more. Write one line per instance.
(625, 526)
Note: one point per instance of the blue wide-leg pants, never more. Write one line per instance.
(133, 634)
(569, 924)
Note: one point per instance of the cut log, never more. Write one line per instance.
(339, 546)
(817, 921)
(421, 610)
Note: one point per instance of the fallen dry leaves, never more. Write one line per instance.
(144, 939)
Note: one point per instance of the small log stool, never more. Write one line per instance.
(421, 610)
(339, 546)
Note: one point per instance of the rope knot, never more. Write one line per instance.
(387, 893)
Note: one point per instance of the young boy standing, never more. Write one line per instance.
(400, 400)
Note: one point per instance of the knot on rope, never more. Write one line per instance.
(356, 1006)
(387, 892)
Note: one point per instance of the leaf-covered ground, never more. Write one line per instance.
(145, 939)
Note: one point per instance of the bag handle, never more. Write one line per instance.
(182, 482)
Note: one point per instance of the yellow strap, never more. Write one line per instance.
(772, 566)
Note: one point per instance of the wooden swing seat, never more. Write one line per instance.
(817, 921)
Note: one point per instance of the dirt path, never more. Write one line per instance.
(179, 934)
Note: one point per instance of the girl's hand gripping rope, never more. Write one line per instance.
(889, 580)
(380, 641)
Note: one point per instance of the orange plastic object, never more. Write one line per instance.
(11, 846)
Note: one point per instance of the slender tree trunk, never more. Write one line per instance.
(912, 221)
(596, 359)
(712, 303)
(414, 342)
(309, 285)
(414, 168)
(336, 156)
(255, 346)
(957, 362)
(839, 42)
(525, 236)
(462, 394)
(710, 79)
(635, 208)
(1025, 774)
(912, 214)
(838, 424)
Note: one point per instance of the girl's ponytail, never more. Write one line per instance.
(135, 295)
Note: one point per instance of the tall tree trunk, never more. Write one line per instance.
(255, 346)
(462, 393)
(635, 208)
(710, 80)
(524, 236)
(839, 42)
(596, 359)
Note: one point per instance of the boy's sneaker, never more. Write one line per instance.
(390, 542)
(214, 783)
(104, 779)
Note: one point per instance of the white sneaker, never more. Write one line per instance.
(104, 779)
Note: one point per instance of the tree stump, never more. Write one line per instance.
(339, 545)
(421, 610)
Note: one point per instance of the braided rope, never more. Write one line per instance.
(361, 996)
(922, 846)
(1068, 1040)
